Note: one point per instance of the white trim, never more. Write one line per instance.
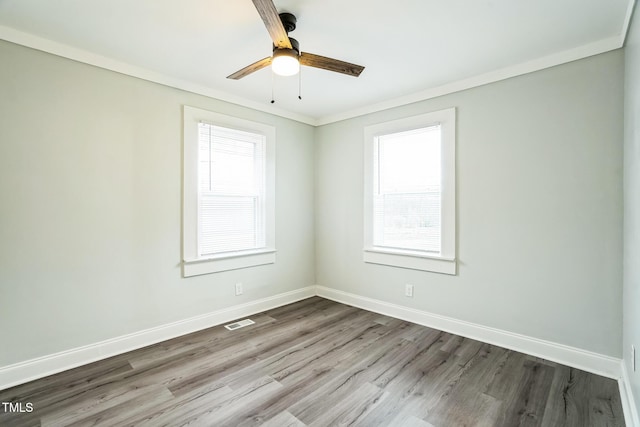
(228, 255)
(626, 397)
(417, 254)
(445, 260)
(40, 367)
(582, 359)
(627, 22)
(215, 265)
(33, 369)
(29, 40)
(39, 43)
(559, 58)
(193, 265)
(413, 262)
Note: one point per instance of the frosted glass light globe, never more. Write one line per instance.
(285, 62)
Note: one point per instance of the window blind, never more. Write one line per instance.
(231, 190)
(407, 196)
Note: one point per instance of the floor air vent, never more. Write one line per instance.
(239, 324)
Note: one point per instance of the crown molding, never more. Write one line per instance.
(84, 56)
(549, 61)
(80, 55)
(627, 22)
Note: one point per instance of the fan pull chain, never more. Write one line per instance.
(273, 77)
(300, 84)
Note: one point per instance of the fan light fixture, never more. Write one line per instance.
(287, 57)
(285, 62)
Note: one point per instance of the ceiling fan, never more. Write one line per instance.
(287, 58)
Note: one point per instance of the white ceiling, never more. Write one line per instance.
(412, 49)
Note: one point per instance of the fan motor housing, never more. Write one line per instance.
(288, 21)
(295, 46)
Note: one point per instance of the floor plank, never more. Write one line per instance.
(319, 363)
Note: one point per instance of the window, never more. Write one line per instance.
(410, 192)
(228, 193)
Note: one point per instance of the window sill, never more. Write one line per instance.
(411, 260)
(229, 261)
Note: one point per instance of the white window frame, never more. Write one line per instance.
(193, 264)
(445, 260)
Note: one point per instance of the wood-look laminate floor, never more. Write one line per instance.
(319, 363)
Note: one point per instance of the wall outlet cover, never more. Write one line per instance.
(408, 290)
(238, 288)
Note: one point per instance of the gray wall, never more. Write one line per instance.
(539, 201)
(90, 213)
(631, 291)
(90, 210)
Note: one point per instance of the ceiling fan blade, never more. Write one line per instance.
(258, 65)
(269, 14)
(317, 61)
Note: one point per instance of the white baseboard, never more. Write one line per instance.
(592, 362)
(626, 397)
(582, 359)
(29, 370)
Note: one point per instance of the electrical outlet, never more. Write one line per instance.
(408, 290)
(633, 358)
(238, 288)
